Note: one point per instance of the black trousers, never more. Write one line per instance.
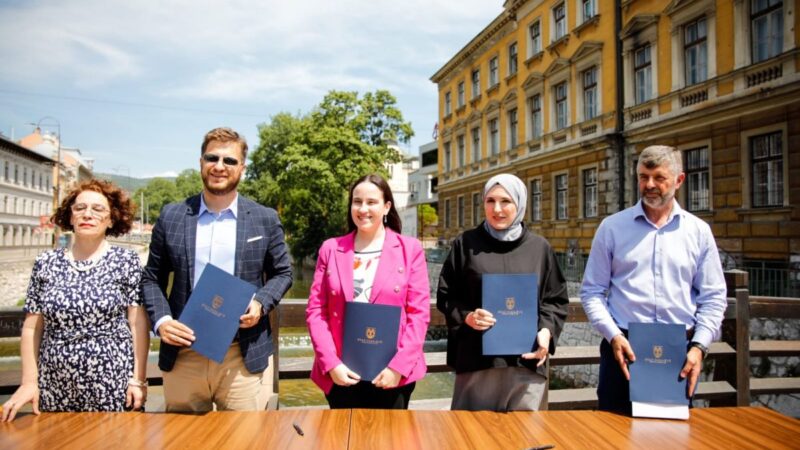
(365, 395)
(613, 392)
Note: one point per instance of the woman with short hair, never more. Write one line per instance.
(85, 337)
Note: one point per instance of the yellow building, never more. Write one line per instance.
(546, 91)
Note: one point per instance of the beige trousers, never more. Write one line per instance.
(198, 384)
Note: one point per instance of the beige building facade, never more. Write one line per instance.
(547, 92)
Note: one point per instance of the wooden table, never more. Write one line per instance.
(323, 429)
(708, 428)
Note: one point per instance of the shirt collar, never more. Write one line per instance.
(676, 211)
(233, 208)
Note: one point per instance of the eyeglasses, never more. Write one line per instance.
(229, 161)
(97, 211)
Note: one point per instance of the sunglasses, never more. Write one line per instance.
(229, 161)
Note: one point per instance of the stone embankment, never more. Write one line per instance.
(14, 278)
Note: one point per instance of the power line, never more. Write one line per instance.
(126, 103)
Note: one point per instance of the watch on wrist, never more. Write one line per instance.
(703, 349)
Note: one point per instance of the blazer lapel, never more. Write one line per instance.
(190, 234)
(344, 265)
(384, 271)
(242, 217)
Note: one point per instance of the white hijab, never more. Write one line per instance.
(519, 194)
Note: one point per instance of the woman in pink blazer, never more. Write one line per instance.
(372, 263)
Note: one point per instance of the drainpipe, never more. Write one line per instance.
(619, 138)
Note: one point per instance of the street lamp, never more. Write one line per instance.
(57, 198)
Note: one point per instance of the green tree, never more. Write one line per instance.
(304, 164)
(188, 183)
(157, 193)
(428, 217)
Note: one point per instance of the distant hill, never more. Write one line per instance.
(129, 184)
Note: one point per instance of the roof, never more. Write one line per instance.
(15, 148)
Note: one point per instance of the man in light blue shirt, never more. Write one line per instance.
(218, 226)
(653, 263)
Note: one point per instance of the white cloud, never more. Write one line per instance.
(95, 42)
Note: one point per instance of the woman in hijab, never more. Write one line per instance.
(501, 244)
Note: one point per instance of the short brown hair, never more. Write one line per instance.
(224, 134)
(121, 206)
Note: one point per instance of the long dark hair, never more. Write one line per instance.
(392, 219)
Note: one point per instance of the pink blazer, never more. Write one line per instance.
(401, 279)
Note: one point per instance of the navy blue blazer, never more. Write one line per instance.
(261, 259)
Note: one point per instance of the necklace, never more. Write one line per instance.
(92, 262)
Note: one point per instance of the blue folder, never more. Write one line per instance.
(213, 311)
(370, 337)
(513, 299)
(660, 351)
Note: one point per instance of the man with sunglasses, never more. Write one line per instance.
(245, 239)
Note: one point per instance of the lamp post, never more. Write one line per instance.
(57, 197)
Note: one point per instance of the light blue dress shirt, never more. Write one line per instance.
(638, 272)
(216, 239)
(215, 243)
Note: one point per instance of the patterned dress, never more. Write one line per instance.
(86, 353)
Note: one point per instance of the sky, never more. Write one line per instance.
(137, 84)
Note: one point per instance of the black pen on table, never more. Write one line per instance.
(542, 447)
(298, 429)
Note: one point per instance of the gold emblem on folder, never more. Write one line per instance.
(510, 302)
(658, 351)
(370, 333)
(217, 301)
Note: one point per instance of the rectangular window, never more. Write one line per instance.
(643, 77)
(536, 116)
(590, 93)
(695, 51)
(494, 137)
(766, 18)
(476, 209)
(447, 213)
(476, 83)
(561, 105)
(460, 94)
(512, 129)
(766, 152)
(590, 193)
(512, 59)
(447, 108)
(461, 212)
(5, 171)
(560, 21)
(535, 31)
(476, 144)
(536, 200)
(493, 76)
(561, 196)
(462, 151)
(697, 179)
(589, 9)
(447, 157)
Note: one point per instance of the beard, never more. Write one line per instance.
(228, 188)
(661, 201)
